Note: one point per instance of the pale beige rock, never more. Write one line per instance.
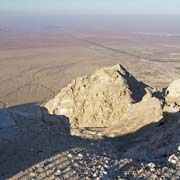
(140, 114)
(93, 101)
(173, 93)
(107, 98)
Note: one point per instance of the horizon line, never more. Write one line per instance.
(83, 14)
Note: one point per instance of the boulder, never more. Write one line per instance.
(173, 93)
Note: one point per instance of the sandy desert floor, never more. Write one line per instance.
(34, 68)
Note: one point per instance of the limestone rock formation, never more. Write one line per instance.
(109, 98)
(140, 114)
(173, 93)
(32, 113)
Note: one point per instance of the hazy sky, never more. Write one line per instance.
(92, 7)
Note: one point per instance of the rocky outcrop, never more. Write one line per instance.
(56, 121)
(21, 115)
(110, 98)
(147, 111)
(173, 93)
(162, 141)
(172, 102)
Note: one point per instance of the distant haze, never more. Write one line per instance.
(139, 16)
(138, 24)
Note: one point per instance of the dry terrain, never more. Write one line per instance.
(34, 66)
(38, 60)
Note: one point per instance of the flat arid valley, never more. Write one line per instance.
(89, 97)
(39, 59)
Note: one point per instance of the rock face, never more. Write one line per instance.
(159, 141)
(147, 111)
(173, 93)
(57, 121)
(32, 113)
(107, 98)
(172, 102)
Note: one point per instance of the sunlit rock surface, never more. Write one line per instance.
(173, 93)
(111, 98)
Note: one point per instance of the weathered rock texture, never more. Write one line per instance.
(173, 93)
(32, 113)
(110, 98)
(140, 114)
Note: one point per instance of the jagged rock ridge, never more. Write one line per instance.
(111, 98)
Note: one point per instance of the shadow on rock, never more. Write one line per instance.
(37, 137)
(28, 135)
(153, 142)
(137, 88)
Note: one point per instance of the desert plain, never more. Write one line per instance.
(38, 59)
